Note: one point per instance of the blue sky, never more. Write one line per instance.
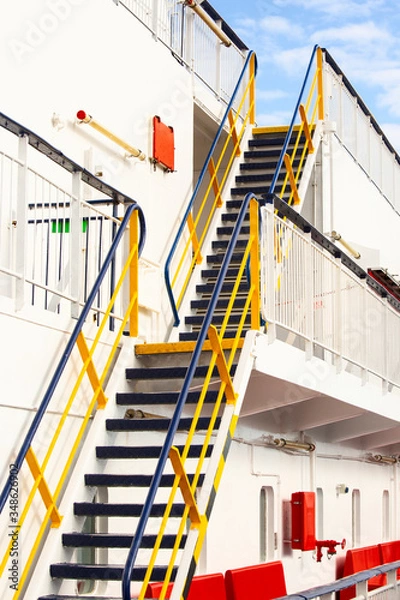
(363, 36)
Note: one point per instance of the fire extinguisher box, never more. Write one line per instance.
(303, 521)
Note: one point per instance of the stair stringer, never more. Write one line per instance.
(209, 490)
(76, 491)
(196, 277)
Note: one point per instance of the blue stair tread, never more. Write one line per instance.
(164, 372)
(101, 479)
(219, 258)
(190, 336)
(142, 452)
(102, 572)
(98, 509)
(217, 319)
(110, 540)
(208, 288)
(139, 398)
(151, 424)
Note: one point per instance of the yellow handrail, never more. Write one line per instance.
(187, 248)
(226, 390)
(311, 111)
(97, 400)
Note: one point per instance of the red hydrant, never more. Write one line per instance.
(331, 545)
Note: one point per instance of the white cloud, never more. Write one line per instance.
(269, 95)
(281, 26)
(355, 35)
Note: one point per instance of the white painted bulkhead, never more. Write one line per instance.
(95, 56)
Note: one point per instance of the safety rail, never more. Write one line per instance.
(198, 508)
(86, 389)
(309, 109)
(314, 290)
(186, 250)
(191, 39)
(57, 221)
(360, 133)
(360, 580)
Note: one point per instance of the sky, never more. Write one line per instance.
(363, 37)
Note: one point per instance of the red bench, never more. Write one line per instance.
(264, 582)
(203, 587)
(390, 552)
(362, 559)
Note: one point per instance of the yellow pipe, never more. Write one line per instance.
(132, 151)
(200, 12)
(338, 238)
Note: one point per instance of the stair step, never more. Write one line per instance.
(231, 217)
(254, 178)
(256, 190)
(153, 424)
(223, 244)
(58, 597)
(143, 398)
(271, 139)
(197, 320)
(98, 509)
(213, 259)
(213, 273)
(114, 540)
(144, 373)
(143, 452)
(221, 305)
(104, 572)
(228, 230)
(227, 287)
(187, 336)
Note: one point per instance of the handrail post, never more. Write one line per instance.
(255, 265)
(75, 252)
(321, 108)
(252, 96)
(134, 275)
(21, 220)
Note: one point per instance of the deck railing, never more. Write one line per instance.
(53, 236)
(360, 581)
(77, 387)
(193, 42)
(318, 293)
(360, 134)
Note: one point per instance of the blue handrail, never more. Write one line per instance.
(72, 341)
(291, 126)
(155, 483)
(197, 187)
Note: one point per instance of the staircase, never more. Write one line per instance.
(137, 437)
(258, 168)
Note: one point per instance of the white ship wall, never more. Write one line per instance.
(358, 211)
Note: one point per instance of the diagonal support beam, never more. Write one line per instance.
(234, 134)
(184, 486)
(195, 240)
(307, 131)
(215, 184)
(293, 185)
(222, 366)
(91, 370)
(36, 471)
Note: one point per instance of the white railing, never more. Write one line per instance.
(359, 582)
(310, 293)
(184, 32)
(53, 238)
(360, 134)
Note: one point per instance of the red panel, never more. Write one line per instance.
(163, 144)
(361, 559)
(261, 582)
(303, 521)
(390, 552)
(203, 587)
